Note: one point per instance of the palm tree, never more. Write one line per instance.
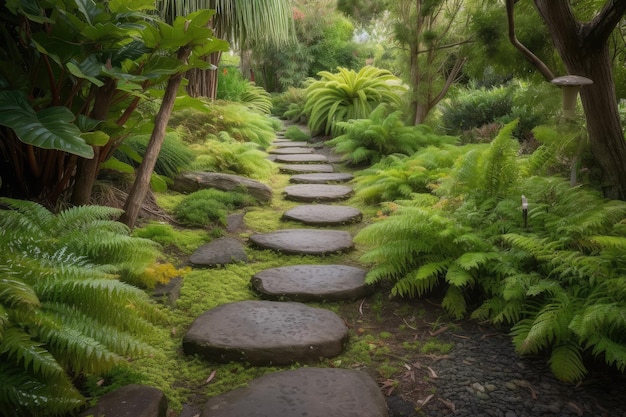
(244, 23)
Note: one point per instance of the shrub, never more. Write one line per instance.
(366, 141)
(348, 95)
(210, 206)
(290, 105)
(62, 310)
(558, 280)
(231, 157)
(295, 133)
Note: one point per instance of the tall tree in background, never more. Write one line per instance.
(584, 50)
(432, 33)
(244, 23)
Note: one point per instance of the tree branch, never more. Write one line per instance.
(458, 65)
(601, 26)
(538, 63)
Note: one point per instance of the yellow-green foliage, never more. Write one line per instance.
(239, 122)
(183, 240)
(224, 154)
(347, 95)
(160, 273)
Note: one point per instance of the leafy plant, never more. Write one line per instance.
(63, 312)
(210, 206)
(282, 102)
(257, 99)
(295, 133)
(366, 141)
(223, 154)
(347, 95)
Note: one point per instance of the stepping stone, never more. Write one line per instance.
(304, 241)
(266, 333)
(188, 182)
(301, 158)
(306, 168)
(130, 400)
(290, 144)
(168, 293)
(310, 392)
(291, 151)
(323, 215)
(317, 192)
(312, 283)
(222, 251)
(321, 178)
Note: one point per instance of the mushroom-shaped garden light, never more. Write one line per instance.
(570, 85)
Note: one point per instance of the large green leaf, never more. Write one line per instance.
(50, 128)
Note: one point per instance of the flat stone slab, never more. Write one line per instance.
(291, 151)
(188, 182)
(312, 283)
(301, 158)
(304, 241)
(286, 143)
(266, 333)
(321, 178)
(306, 168)
(310, 392)
(222, 251)
(130, 401)
(317, 192)
(323, 215)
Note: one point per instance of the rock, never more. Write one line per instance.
(317, 192)
(286, 143)
(266, 333)
(323, 215)
(304, 241)
(478, 387)
(312, 282)
(490, 387)
(130, 401)
(510, 385)
(306, 168)
(321, 178)
(189, 182)
(222, 251)
(234, 222)
(168, 293)
(290, 150)
(301, 158)
(310, 392)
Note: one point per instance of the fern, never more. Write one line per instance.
(62, 311)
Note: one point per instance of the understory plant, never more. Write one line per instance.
(346, 95)
(556, 274)
(223, 154)
(366, 141)
(210, 206)
(64, 312)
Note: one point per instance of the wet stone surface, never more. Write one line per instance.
(312, 283)
(266, 333)
(309, 392)
(323, 215)
(304, 241)
(301, 158)
(317, 192)
(291, 151)
(130, 401)
(286, 143)
(306, 168)
(321, 178)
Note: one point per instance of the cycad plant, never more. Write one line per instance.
(366, 141)
(347, 95)
(63, 310)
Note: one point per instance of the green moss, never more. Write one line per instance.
(183, 240)
(385, 335)
(168, 201)
(436, 346)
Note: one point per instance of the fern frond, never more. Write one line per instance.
(458, 277)
(566, 363)
(18, 347)
(454, 302)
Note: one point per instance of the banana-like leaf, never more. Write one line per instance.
(50, 128)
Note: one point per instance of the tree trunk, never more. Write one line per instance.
(140, 187)
(203, 83)
(584, 51)
(87, 169)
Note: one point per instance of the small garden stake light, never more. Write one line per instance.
(525, 210)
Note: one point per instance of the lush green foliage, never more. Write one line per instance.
(174, 156)
(63, 311)
(223, 154)
(347, 95)
(239, 122)
(172, 239)
(210, 206)
(366, 141)
(297, 134)
(287, 101)
(559, 279)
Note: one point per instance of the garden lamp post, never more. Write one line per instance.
(570, 86)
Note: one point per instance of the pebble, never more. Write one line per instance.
(478, 387)
(510, 385)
